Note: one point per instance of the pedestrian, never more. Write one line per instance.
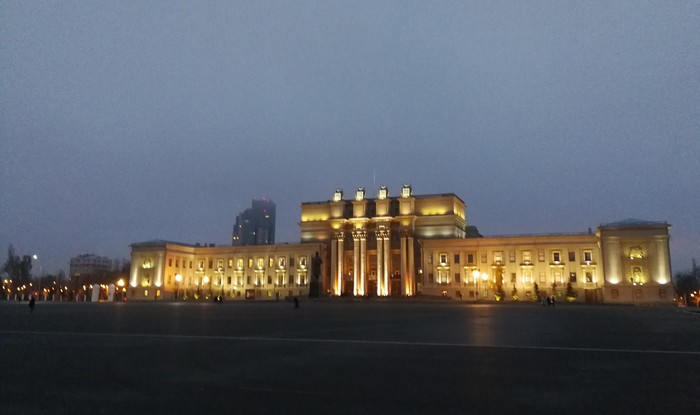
(32, 304)
(554, 300)
(296, 302)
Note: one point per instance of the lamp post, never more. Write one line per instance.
(205, 280)
(476, 274)
(178, 278)
(121, 284)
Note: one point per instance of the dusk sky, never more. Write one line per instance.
(126, 121)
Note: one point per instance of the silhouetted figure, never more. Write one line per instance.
(32, 304)
(554, 301)
(296, 302)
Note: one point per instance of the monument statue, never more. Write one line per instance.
(314, 288)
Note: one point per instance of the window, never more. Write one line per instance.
(589, 276)
(170, 262)
(271, 262)
(211, 263)
(269, 279)
(498, 257)
(556, 257)
(588, 256)
(540, 256)
(291, 261)
(247, 279)
(511, 256)
(527, 257)
(228, 280)
(177, 262)
(470, 258)
(261, 262)
(190, 264)
(483, 258)
(230, 262)
(201, 264)
(572, 277)
(302, 262)
(558, 277)
(527, 275)
(543, 277)
(572, 256)
(220, 264)
(456, 259)
(443, 259)
(239, 263)
(250, 262)
(281, 262)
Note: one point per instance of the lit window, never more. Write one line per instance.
(527, 257)
(281, 262)
(498, 257)
(261, 263)
(443, 259)
(230, 262)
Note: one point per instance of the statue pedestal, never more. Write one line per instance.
(314, 289)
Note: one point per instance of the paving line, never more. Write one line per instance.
(347, 341)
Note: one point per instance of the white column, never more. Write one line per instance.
(380, 262)
(334, 264)
(386, 240)
(662, 272)
(411, 268)
(363, 262)
(341, 256)
(613, 265)
(160, 270)
(135, 265)
(355, 262)
(404, 270)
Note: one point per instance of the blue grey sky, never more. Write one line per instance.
(124, 121)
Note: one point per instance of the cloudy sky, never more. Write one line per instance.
(124, 121)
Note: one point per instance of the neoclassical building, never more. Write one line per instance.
(408, 245)
(172, 270)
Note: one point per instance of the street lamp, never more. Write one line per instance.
(121, 284)
(205, 280)
(475, 275)
(178, 278)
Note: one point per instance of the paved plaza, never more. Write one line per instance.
(348, 357)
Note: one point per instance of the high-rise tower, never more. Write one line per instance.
(256, 225)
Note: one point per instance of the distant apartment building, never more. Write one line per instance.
(255, 225)
(89, 268)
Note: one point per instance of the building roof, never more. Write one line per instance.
(398, 197)
(162, 242)
(633, 223)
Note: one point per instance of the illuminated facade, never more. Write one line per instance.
(171, 270)
(408, 245)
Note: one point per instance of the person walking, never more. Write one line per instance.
(32, 304)
(296, 302)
